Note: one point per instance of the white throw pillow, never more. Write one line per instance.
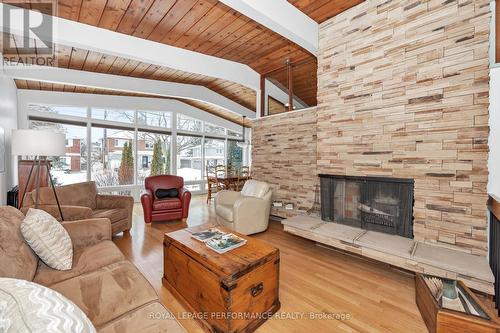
(48, 238)
(27, 307)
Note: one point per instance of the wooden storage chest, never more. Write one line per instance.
(231, 292)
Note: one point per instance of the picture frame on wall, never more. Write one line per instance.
(2, 150)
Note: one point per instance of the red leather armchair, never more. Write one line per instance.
(168, 208)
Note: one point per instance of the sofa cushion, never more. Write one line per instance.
(255, 188)
(109, 292)
(85, 260)
(27, 307)
(167, 204)
(114, 214)
(225, 211)
(152, 318)
(81, 194)
(48, 238)
(17, 258)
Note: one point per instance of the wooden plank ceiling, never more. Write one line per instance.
(322, 10)
(205, 26)
(304, 80)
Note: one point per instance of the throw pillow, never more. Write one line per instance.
(162, 193)
(48, 238)
(27, 307)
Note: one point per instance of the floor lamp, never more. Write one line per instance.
(40, 144)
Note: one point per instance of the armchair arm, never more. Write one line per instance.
(251, 215)
(147, 205)
(226, 197)
(185, 197)
(106, 201)
(88, 232)
(70, 213)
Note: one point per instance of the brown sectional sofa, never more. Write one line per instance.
(107, 287)
(81, 201)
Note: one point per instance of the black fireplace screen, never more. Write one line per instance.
(372, 203)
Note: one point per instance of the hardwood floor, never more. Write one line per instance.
(313, 280)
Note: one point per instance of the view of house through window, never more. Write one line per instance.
(72, 167)
(189, 158)
(112, 157)
(118, 149)
(153, 151)
(214, 152)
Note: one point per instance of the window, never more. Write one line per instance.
(72, 167)
(188, 124)
(154, 118)
(123, 116)
(234, 154)
(112, 164)
(212, 129)
(155, 160)
(234, 134)
(145, 161)
(214, 152)
(189, 159)
(120, 143)
(119, 148)
(63, 110)
(117, 192)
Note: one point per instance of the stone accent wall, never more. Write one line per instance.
(284, 155)
(403, 92)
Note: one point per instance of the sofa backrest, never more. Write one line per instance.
(17, 258)
(255, 188)
(79, 194)
(154, 183)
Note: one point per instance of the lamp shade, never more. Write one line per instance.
(37, 143)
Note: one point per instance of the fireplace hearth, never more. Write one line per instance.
(373, 203)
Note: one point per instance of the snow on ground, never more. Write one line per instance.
(63, 178)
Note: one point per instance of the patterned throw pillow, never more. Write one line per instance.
(27, 307)
(48, 238)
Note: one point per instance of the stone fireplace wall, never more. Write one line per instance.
(284, 155)
(403, 92)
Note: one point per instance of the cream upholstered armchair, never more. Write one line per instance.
(246, 212)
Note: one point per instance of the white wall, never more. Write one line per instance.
(8, 121)
(494, 118)
(494, 139)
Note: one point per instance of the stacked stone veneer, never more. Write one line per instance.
(284, 155)
(403, 92)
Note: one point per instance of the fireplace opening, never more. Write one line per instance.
(372, 203)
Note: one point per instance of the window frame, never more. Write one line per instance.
(135, 127)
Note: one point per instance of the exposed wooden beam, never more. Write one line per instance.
(125, 84)
(87, 37)
(26, 97)
(283, 18)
